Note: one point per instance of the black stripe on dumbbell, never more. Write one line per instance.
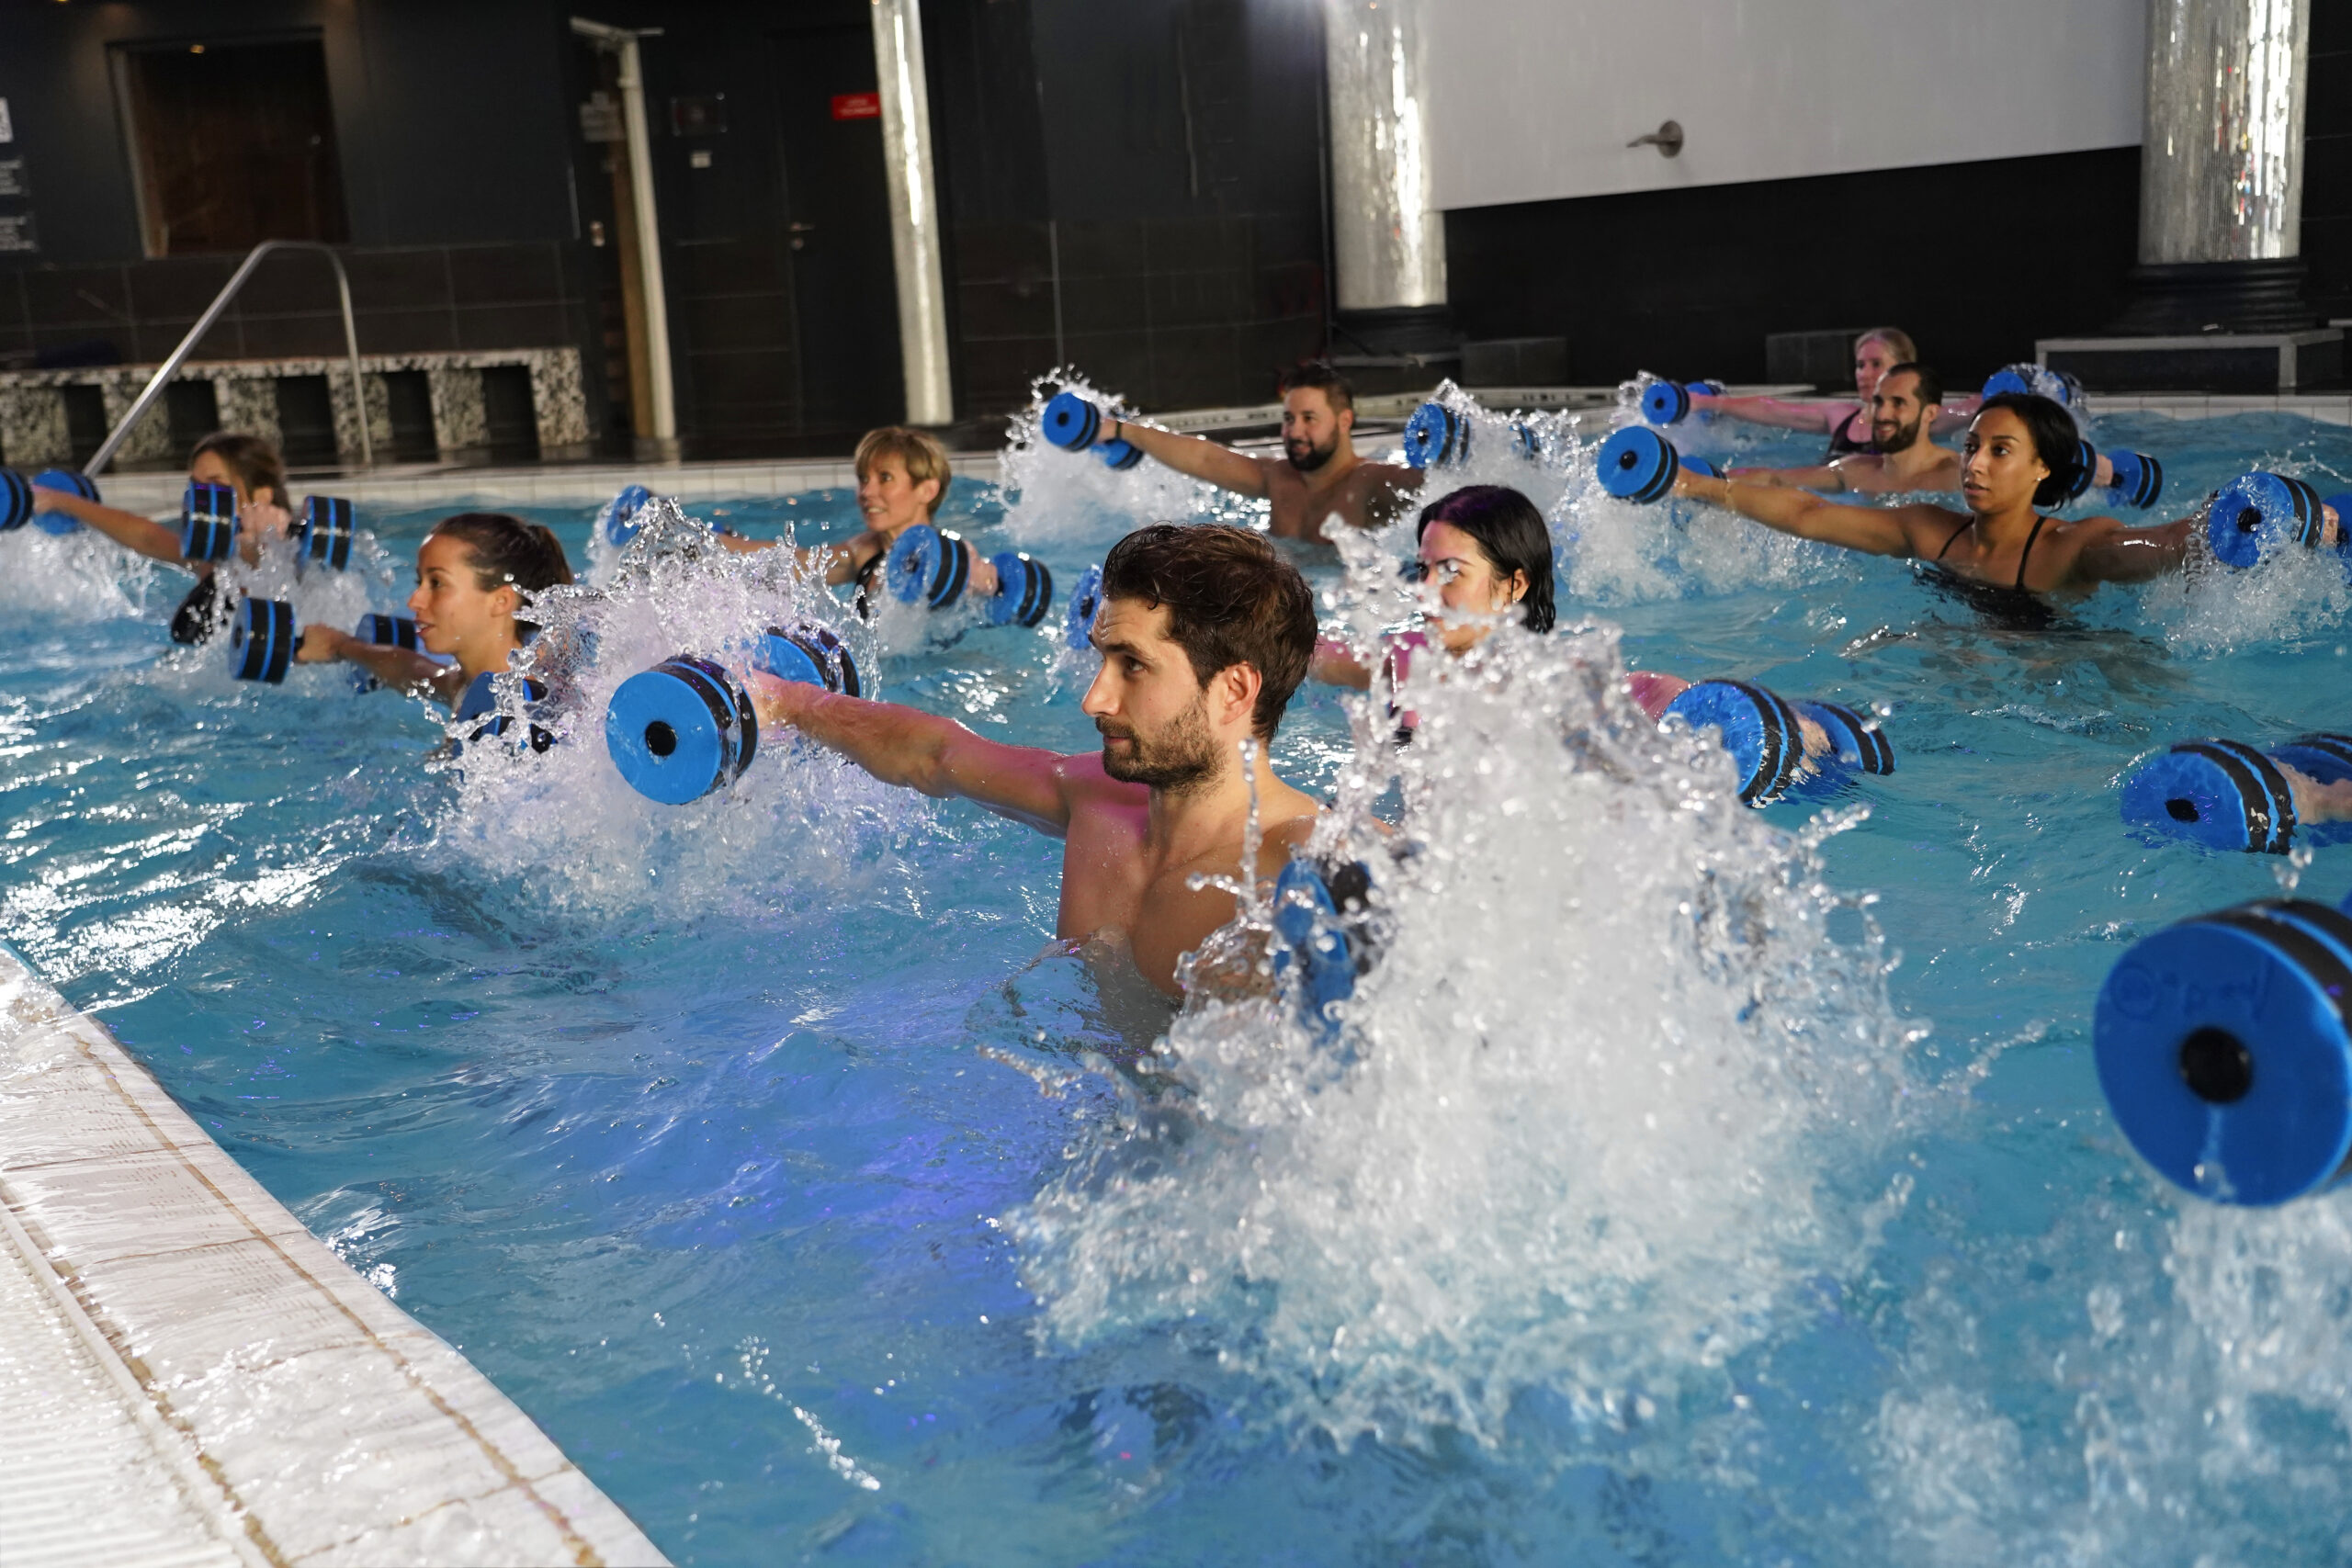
(2260, 788)
(1774, 766)
(2337, 746)
(1877, 756)
(708, 681)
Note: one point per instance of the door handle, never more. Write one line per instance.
(797, 231)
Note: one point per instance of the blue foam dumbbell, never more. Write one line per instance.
(1085, 604)
(384, 631)
(2223, 1053)
(1070, 422)
(2224, 795)
(261, 640)
(207, 522)
(1319, 932)
(322, 534)
(1637, 464)
(1855, 739)
(2138, 479)
(1759, 729)
(1025, 591)
(686, 727)
(73, 482)
(1669, 403)
(682, 729)
(621, 516)
(928, 566)
(1120, 455)
(2256, 517)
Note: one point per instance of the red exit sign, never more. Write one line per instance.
(857, 105)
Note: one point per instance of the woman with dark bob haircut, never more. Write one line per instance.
(2003, 552)
(1487, 548)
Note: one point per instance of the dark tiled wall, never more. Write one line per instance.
(1174, 312)
(412, 299)
(1688, 283)
(2327, 162)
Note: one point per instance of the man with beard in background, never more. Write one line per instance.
(1903, 459)
(1205, 631)
(1318, 475)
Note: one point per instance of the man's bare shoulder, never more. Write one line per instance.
(1084, 782)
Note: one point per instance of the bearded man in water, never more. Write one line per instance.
(1205, 632)
(1319, 475)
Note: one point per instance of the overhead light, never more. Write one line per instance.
(196, 48)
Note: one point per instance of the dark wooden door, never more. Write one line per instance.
(837, 213)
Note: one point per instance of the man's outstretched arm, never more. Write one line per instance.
(1221, 465)
(922, 752)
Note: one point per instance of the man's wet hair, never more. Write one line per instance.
(1232, 599)
(1931, 386)
(2051, 430)
(1510, 534)
(1319, 373)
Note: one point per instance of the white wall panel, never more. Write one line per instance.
(1535, 99)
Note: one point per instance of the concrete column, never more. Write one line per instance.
(2221, 168)
(914, 211)
(1388, 242)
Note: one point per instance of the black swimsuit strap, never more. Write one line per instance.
(2028, 551)
(1956, 533)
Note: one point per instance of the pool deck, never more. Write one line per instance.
(191, 1378)
(593, 484)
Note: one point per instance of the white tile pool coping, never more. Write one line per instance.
(590, 485)
(189, 1377)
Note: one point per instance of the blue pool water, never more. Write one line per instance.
(763, 1150)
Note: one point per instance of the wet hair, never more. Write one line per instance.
(1510, 534)
(2051, 430)
(920, 454)
(1319, 373)
(1895, 338)
(253, 461)
(1232, 599)
(1931, 386)
(507, 550)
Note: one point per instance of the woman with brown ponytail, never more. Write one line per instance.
(246, 464)
(475, 575)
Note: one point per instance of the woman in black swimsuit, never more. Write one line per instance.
(246, 464)
(2003, 553)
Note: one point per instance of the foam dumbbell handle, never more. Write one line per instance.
(261, 640)
(325, 531)
(682, 729)
(1855, 740)
(73, 482)
(1637, 464)
(2139, 479)
(2259, 513)
(620, 516)
(1120, 455)
(1700, 466)
(1085, 604)
(1025, 591)
(1759, 729)
(2223, 1054)
(2222, 793)
(1069, 422)
(929, 566)
(207, 522)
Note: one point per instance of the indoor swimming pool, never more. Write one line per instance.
(1695, 1187)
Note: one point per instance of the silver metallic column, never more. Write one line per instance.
(2221, 169)
(1388, 244)
(914, 211)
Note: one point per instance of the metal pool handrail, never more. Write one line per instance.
(178, 356)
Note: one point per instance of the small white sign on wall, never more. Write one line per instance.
(8, 128)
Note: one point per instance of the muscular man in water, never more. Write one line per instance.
(1318, 475)
(1903, 408)
(1206, 631)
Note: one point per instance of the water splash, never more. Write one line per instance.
(1592, 1118)
(1054, 497)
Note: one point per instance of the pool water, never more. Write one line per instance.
(1695, 1186)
